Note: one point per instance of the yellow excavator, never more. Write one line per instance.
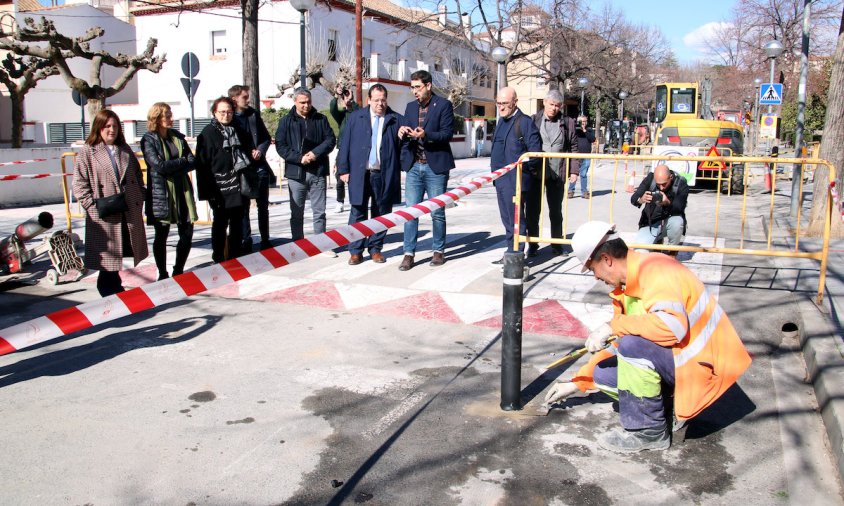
(685, 120)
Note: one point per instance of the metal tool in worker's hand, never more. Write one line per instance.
(574, 355)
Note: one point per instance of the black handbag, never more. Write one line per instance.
(249, 182)
(113, 204)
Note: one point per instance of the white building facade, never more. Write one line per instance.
(51, 102)
(392, 50)
(394, 46)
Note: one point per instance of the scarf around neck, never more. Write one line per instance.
(231, 143)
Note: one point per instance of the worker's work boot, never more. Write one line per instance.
(633, 441)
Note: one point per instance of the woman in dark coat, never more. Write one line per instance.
(106, 166)
(170, 197)
(222, 151)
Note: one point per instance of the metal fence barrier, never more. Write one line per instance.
(741, 248)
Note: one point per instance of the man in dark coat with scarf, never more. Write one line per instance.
(369, 161)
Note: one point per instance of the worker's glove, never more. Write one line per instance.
(598, 338)
(560, 391)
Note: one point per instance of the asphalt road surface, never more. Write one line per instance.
(321, 383)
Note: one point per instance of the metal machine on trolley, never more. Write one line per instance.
(59, 246)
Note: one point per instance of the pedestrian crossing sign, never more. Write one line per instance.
(713, 164)
(770, 94)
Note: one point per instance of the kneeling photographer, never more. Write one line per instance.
(664, 195)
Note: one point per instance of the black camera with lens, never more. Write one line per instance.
(656, 196)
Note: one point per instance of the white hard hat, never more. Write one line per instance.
(588, 237)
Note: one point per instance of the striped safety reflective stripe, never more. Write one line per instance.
(698, 308)
(671, 320)
(641, 363)
(699, 343)
(611, 391)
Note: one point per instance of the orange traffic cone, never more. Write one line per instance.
(631, 183)
(767, 178)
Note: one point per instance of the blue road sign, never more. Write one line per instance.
(770, 94)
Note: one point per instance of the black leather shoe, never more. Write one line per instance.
(533, 250)
(500, 261)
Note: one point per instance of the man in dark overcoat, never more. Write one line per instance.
(369, 163)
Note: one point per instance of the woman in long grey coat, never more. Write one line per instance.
(106, 166)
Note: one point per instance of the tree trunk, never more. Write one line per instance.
(250, 50)
(95, 105)
(597, 109)
(17, 118)
(832, 144)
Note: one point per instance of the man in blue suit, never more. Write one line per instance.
(427, 159)
(369, 163)
(514, 134)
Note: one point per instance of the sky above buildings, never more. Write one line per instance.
(684, 24)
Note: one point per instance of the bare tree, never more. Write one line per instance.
(316, 64)
(20, 74)
(625, 57)
(501, 24)
(739, 41)
(832, 145)
(725, 42)
(60, 48)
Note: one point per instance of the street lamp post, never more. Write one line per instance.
(773, 49)
(622, 95)
(582, 83)
(757, 82)
(499, 54)
(302, 6)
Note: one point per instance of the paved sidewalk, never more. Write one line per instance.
(322, 383)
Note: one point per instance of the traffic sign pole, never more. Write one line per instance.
(190, 67)
(192, 117)
(81, 101)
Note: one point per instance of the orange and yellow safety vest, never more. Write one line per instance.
(681, 314)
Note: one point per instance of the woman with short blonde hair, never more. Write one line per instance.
(170, 197)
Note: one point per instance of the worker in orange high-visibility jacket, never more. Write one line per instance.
(669, 331)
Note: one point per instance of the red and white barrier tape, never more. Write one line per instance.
(13, 177)
(21, 162)
(169, 290)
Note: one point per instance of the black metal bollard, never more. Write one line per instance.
(511, 331)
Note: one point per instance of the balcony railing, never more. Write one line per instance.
(390, 70)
